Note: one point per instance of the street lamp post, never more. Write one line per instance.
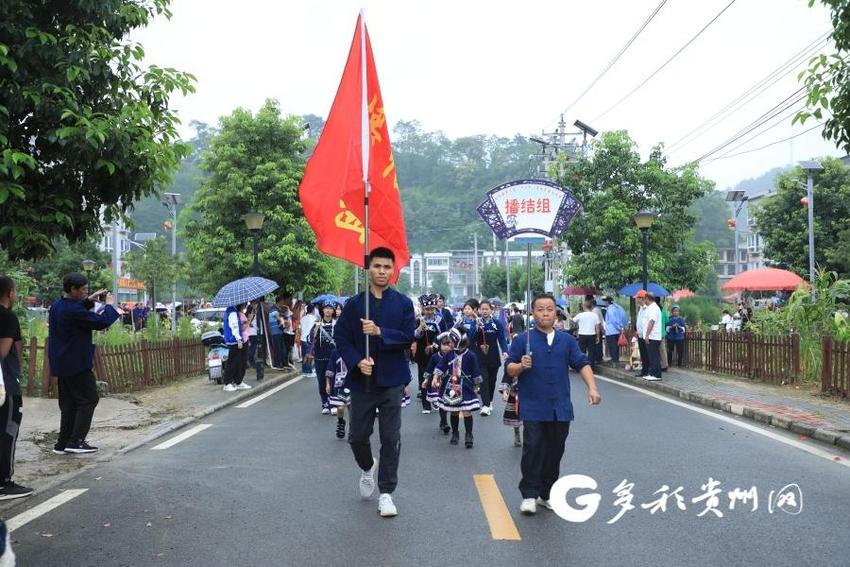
(88, 266)
(254, 223)
(172, 200)
(643, 220)
(810, 168)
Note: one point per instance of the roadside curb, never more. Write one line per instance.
(741, 410)
(166, 429)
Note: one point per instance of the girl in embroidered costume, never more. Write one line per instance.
(457, 377)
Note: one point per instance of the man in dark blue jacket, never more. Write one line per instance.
(71, 354)
(545, 407)
(378, 378)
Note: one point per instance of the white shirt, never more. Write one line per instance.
(586, 321)
(550, 337)
(653, 313)
(727, 321)
(307, 322)
(641, 321)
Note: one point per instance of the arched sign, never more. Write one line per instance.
(529, 206)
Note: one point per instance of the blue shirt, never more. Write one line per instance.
(676, 328)
(615, 319)
(70, 349)
(394, 314)
(544, 389)
(274, 322)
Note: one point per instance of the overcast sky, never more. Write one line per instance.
(506, 67)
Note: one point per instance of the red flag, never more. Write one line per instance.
(332, 191)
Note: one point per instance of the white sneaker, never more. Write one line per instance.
(651, 378)
(426, 411)
(333, 411)
(229, 388)
(544, 503)
(367, 481)
(326, 411)
(485, 410)
(386, 508)
(243, 386)
(528, 506)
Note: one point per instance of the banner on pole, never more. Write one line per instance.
(529, 206)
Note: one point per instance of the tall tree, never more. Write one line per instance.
(711, 212)
(85, 129)
(614, 184)
(255, 162)
(827, 79)
(440, 284)
(783, 221)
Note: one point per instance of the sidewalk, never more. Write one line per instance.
(122, 421)
(801, 409)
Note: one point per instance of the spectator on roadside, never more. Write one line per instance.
(308, 321)
(640, 327)
(675, 336)
(589, 330)
(71, 354)
(234, 366)
(297, 314)
(726, 322)
(288, 336)
(616, 321)
(255, 357)
(276, 333)
(139, 314)
(517, 322)
(11, 347)
(596, 355)
(663, 345)
(652, 337)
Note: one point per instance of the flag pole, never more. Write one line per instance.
(364, 142)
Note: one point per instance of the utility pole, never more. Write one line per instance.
(116, 260)
(507, 272)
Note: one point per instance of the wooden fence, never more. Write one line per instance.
(835, 367)
(774, 359)
(124, 368)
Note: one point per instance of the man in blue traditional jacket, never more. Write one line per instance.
(378, 378)
(545, 407)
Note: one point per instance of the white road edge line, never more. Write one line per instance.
(36, 511)
(271, 392)
(811, 449)
(182, 437)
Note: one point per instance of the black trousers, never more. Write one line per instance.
(288, 345)
(679, 347)
(321, 369)
(255, 356)
(234, 366)
(489, 373)
(421, 365)
(587, 344)
(362, 423)
(543, 445)
(77, 400)
(653, 348)
(10, 422)
(613, 347)
(644, 357)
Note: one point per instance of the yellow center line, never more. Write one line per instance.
(501, 523)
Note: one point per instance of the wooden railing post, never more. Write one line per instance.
(32, 361)
(46, 371)
(146, 362)
(826, 364)
(750, 355)
(795, 356)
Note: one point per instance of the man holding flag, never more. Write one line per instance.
(350, 175)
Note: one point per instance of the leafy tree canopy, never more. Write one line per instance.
(85, 129)
(827, 79)
(783, 221)
(613, 184)
(155, 266)
(255, 162)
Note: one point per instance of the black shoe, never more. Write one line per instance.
(80, 447)
(59, 449)
(12, 490)
(340, 428)
(455, 438)
(468, 440)
(445, 428)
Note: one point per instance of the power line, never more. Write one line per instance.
(654, 73)
(616, 57)
(807, 130)
(751, 93)
(788, 102)
(782, 120)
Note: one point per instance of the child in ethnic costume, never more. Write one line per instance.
(322, 345)
(510, 394)
(432, 392)
(427, 329)
(458, 378)
(338, 395)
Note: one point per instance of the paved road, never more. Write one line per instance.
(270, 485)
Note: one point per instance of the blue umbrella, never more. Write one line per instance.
(496, 301)
(243, 291)
(652, 287)
(561, 302)
(319, 299)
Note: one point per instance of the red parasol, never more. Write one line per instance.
(681, 294)
(582, 291)
(764, 279)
